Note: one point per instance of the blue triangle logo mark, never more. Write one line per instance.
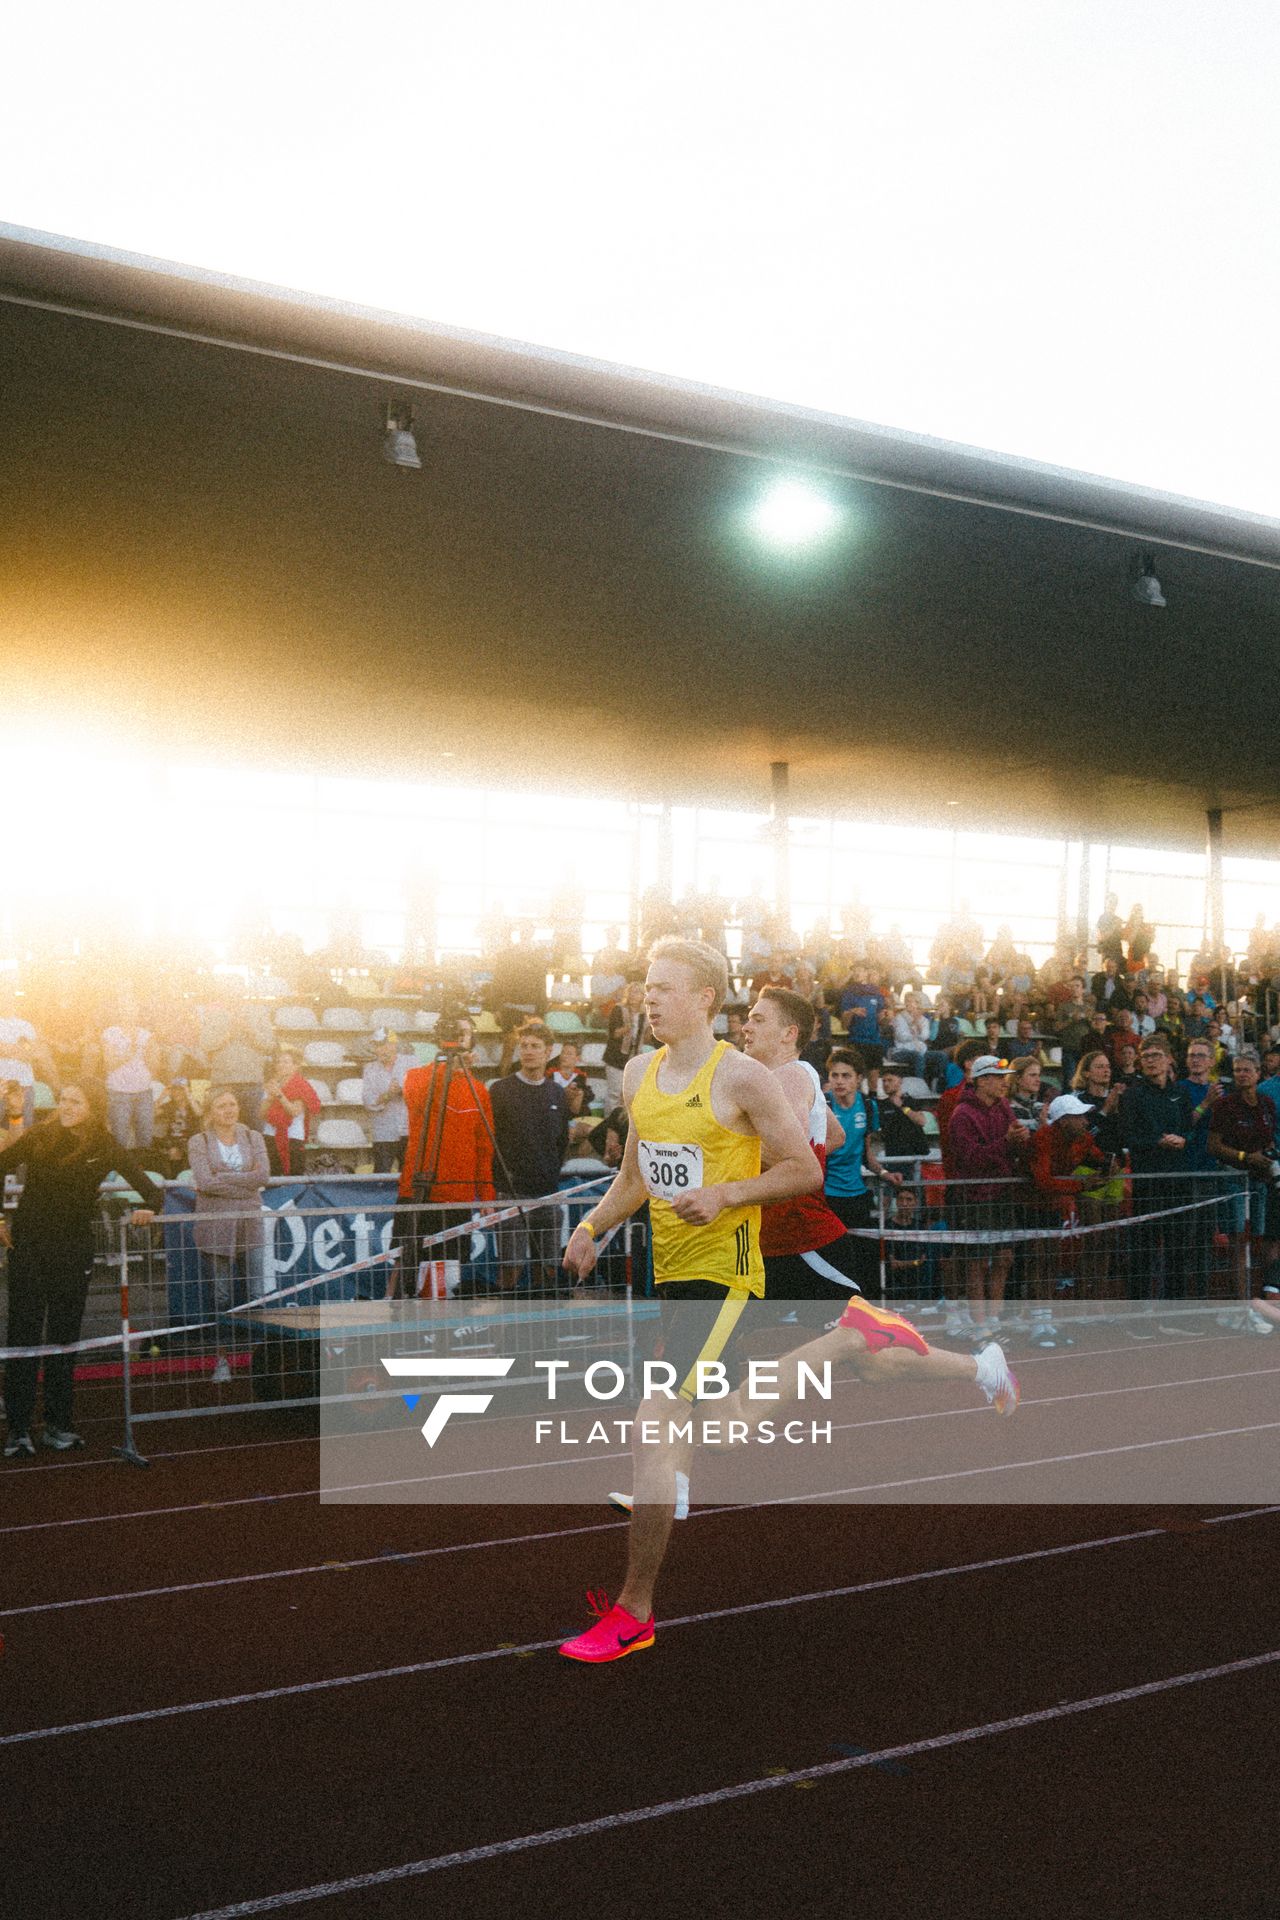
(411, 1400)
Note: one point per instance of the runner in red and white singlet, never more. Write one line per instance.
(808, 1255)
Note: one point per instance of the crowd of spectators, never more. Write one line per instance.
(1060, 1092)
(158, 1048)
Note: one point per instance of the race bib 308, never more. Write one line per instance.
(670, 1168)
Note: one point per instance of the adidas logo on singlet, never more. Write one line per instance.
(695, 1102)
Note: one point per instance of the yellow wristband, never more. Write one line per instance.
(587, 1228)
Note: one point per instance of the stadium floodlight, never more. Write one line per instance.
(1146, 587)
(793, 514)
(399, 447)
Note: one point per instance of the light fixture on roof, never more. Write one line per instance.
(1146, 588)
(399, 447)
(793, 514)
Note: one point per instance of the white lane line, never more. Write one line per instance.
(1022, 1466)
(390, 1556)
(884, 1584)
(742, 1790)
(173, 1453)
(833, 1493)
(312, 1439)
(323, 1566)
(571, 1460)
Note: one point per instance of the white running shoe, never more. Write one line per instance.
(222, 1372)
(1257, 1323)
(997, 1380)
(625, 1502)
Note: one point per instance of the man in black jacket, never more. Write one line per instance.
(531, 1127)
(901, 1127)
(1109, 989)
(1156, 1119)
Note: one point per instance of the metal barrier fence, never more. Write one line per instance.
(226, 1312)
(206, 1321)
(1129, 1240)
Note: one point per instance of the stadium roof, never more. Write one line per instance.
(203, 548)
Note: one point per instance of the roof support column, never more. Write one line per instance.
(780, 776)
(1082, 905)
(1215, 919)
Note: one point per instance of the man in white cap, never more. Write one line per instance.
(1063, 1158)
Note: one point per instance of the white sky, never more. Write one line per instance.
(1044, 228)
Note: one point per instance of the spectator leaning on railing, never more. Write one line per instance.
(1064, 1164)
(983, 1136)
(962, 1060)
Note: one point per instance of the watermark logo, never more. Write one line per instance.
(448, 1403)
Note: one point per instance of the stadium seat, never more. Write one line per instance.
(485, 1023)
(296, 1020)
(917, 1089)
(344, 1019)
(324, 1053)
(393, 1018)
(44, 1097)
(424, 1052)
(560, 1020)
(341, 1133)
(349, 1093)
(593, 1053)
(425, 1021)
(323, 1088)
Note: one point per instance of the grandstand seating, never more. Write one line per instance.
(341, 1134)
(324, 1053)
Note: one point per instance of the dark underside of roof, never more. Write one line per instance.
(202, 547)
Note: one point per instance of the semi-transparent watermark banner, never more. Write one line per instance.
(521, 1402)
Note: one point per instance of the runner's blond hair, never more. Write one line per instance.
(708, 967)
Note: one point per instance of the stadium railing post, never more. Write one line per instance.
(127, 1450)
(1248, 1248)
(884, 1265)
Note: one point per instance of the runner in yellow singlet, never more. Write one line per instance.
(703, 1118)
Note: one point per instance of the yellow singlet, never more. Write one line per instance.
(682, 1145)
